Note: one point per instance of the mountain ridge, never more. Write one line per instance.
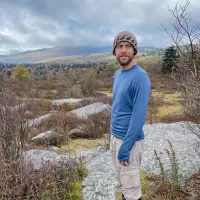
(32, 56)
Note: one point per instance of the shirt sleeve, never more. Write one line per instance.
(141, 88)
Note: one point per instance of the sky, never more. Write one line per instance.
(35, 24)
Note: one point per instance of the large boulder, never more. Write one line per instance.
(91, 109)
(184, 144)
(43, 158)
(101, 180)
(47, 138)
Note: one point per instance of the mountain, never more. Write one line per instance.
(62, 53)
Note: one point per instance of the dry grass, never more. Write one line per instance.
(19, 181)
(153, 188)
(77, 144)
(164, 106)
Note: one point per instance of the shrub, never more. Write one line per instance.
(13, 126)
(21, 73)
(51, 182)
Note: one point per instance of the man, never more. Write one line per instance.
(131, 90)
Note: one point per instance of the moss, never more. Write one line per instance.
(74, 145)
(146, 184)
(107, 92)
(75, 194)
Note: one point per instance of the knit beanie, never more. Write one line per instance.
(125, 36)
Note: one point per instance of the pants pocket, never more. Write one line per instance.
(136, 154)
(130, 183)
(130, 178)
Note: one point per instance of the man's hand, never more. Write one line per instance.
(124, 163)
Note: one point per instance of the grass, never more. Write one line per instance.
(169, 101)
(83, 144)
(153, 188)
(170, 104)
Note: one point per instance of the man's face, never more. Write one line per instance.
(124, 53)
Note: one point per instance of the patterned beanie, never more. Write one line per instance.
(125, 36)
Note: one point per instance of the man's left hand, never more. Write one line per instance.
(124, 163)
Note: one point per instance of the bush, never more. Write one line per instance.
(97, 125)
(51, 182)
(13, 126)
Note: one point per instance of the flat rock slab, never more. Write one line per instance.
(101, 180)
(94, 108)
(41, 158)
(62, 101)
(183, 141)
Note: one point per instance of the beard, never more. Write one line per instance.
(124, 60)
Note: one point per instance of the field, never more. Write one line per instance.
(93, 85)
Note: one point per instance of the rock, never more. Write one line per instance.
(76, 133)
(53, 148)
(20, 106)
(62, 101)
(43, 158)
(101, 180)
(40, 120)
(48, 137)
(183, 142)
(94, 108)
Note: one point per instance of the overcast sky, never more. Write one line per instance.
(33, 24)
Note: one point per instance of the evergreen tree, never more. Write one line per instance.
(170, 60)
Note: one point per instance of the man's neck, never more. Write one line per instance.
(130, 65)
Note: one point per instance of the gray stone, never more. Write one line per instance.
(39, 121)
(62, 101)
(76, 133)
(48, 137)
(42, 158)
(101, 181)
(183, 143)
(53, 148)
(94, 108)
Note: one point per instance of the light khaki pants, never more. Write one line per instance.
(128, 176)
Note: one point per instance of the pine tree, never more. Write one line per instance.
(170, 60)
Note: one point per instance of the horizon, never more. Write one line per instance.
(31, 50)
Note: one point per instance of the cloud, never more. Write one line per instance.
(30, 24)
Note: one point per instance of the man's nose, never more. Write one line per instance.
(123, 49)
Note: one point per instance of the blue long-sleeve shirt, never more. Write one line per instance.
(131, 90)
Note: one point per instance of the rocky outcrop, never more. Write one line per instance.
(184, 143)
(47, 138)
(101, 182)
(42, 158)
(94, 108)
